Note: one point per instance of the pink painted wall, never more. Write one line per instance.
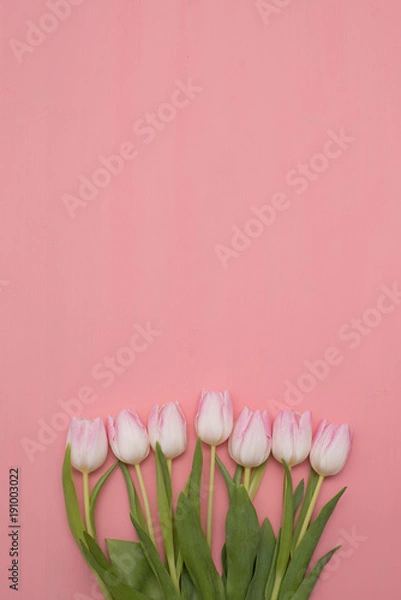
(251, 221)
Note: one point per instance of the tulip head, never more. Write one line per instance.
(128, 437)
(167, 425)
(250, 441)
(88, 440)
(292, 436)
(214, 417)
(330, 448)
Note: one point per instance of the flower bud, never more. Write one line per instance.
(88, 440)
(128, 437)
(292, 436)
(167, 425)
(214, 417)
(330, 448)
(250, 441)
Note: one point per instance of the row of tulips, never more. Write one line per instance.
(251, 440)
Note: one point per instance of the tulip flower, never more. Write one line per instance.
(331, 447)
(167, 425)
(250, 441)
(88, 440)
(128, 437)
(214, 417)
(292, 436)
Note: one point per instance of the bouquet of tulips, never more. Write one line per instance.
(257, 562)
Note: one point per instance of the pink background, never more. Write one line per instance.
(145, 249)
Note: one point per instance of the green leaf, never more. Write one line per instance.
(310, 488)
(188, 591)
(134, 502)
(242, 541)
(264, 561)
(95, 494)
(286, 524)
(133, 567)
(272, 574)
(166, 585)
(256, 478)
(161, 463)
(196, 553)
(194, 482)
(298, 496)
(110, 579)
(304, 551)
(306, 588)
(96, 551)
(227, 477)
(74, 516)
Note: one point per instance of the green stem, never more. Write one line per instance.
(256, 479)
(173, 571)
(85, 477)
(211, 492)
(276, 588)
(247, 478)
(145, 503)
(310, 510)
(277, 585)
(170, 466)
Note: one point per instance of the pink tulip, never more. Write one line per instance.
(330, 448)
(128, 437)
(167, 425)
(250, 441)
(88, 441)
(292, 436)
(214, 417)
